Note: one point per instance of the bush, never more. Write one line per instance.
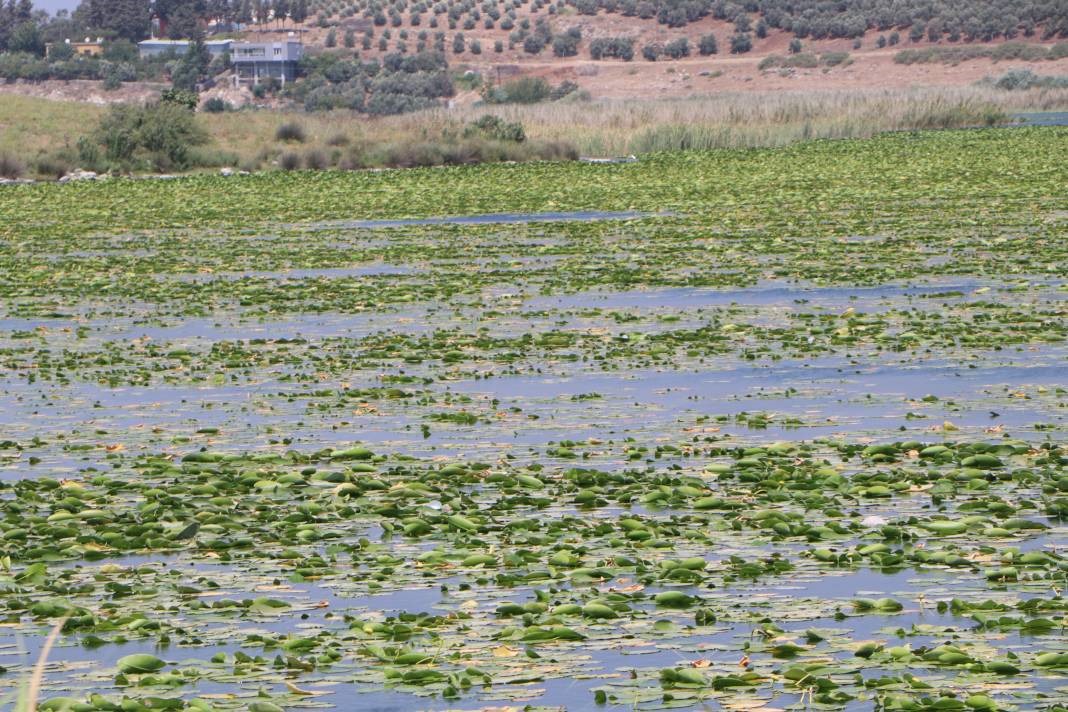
(10, 167)
(609, 47)
(563, 89)
(708, 45)
(565, 45)
(179, 97)
(315, 160)
(677, 48)
(525, 90)
(795, 46)
(1023, 79)
(217, 105)
(289, 161)
(496, 128)
(533, 44)
(741, 43)
(158, 135)
(290, 131)
(834, 59)
(51, 166)
(652, 51)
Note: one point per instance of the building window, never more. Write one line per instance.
(277, 51)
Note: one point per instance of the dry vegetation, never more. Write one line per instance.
(250, 139)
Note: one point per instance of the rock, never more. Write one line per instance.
(79, 175)
(618, 159)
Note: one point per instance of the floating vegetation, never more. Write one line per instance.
(788, 431)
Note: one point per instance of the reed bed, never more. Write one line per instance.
(249, 138)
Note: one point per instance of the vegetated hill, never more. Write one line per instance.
(505, 31)
(933, 20)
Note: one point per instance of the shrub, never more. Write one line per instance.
(290, 131)
(289, 161)
(315, 160)
(159, 135)
(708, 45)
(741, 43)
(525, 90)
(652, 51)
(609, 47)
(179, 97)
(10, 167)
(338, 139)
(565, 45)
(331, 38)
(494, 127)
(834, 59)
(563, 89)
(533, 44)
(1022, 79)
(217, 105)
(795, 46)
(677, 48)
(51, 166)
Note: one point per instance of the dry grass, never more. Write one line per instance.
(27, 702)
(28, 126)
(612, 127)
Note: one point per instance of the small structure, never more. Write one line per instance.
(256, 61)
(155, 47)
(88, 48)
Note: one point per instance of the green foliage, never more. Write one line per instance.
(1008, 51)
(677, 48)
(26, 37)
(401, 83)
(612, 48)
(1023, 79)
(496, 128)
(217, 105)
(566, 44)
(708, 45)
(741, 43)
(525, 90)
(179, 97)
(156, 136)
(10, 167)
(290, 131)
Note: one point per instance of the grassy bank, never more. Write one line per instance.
(31, 128)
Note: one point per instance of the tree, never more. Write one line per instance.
(677, 48)
(741, 43)
(26, 37)
(129, 19)
(281, 11)
(193, 65)
(298, 12)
